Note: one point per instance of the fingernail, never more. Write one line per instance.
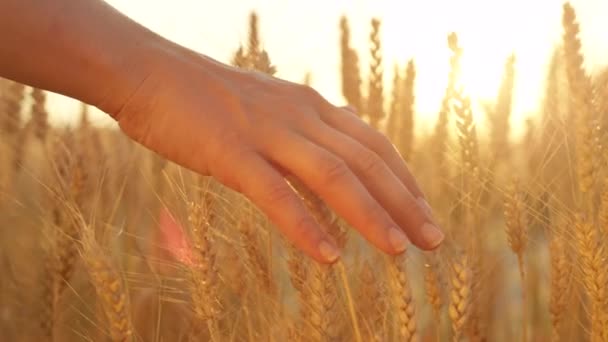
(397, 239)
(328, 251)
(425, 206)
(432, 235)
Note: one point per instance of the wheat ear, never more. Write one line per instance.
(517, 236)
(202, 272)
(460, 296)
(581, 90)
(109, 287)
(403, 301)
(351, 75)
(592, 258)
(372, 300)
(433, 285)
(375, 98)
(560, 282)
(40, 115)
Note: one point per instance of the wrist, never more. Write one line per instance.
(154, 59)
(157, 63)
(121, 74)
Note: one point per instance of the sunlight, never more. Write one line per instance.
(482, 74)
(233, 206)
(420, 32)
(488, 32)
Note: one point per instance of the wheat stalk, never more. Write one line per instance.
(460, 296)
(592, 258)
(372, 303)
(6, 171)
(40, 115)
(441, 133)
(350, 73)
(603, 208)
(560, 282)
(202, 272)
(109, 287)
(581, 91)
(394, 124)
(375, 97)
(321, 307)
(517, 236)
(321, 293)
(433, 284)
(403, 301)
(257, 260)
(11, 100)
(49, 297)
(298, 271)
(71, 178)
(406, 140)
(501, 114)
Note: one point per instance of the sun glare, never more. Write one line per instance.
(488, 35)
(489, 32)
(108, 238)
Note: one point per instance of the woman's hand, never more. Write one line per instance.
(247, 130)
(244, 128)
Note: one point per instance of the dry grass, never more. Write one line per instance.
(102, 240)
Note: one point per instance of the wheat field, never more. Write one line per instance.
(102, 240)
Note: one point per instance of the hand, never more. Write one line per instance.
(247, 129)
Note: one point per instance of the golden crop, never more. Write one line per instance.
(101, 240)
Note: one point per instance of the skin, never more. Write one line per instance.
(246, 129)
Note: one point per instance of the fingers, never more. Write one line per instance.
(332, 179)
(382, 184)
(350, 108)
(264, 186)
(351, 125)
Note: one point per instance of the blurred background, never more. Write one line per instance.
(103, 240)
(303, 36)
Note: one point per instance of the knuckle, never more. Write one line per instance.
(276, 195)
(381, 144)
(225, 140)
(413, 211)
(314, 98)
(374, 214)
(265, 129)
(231, 145)
(369, 162)
(309, 92)
(232, 155)
(304, 227)
(303, 116)
(333, 170)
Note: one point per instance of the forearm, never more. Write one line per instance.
(80, 48)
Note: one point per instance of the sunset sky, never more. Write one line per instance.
(303, 36)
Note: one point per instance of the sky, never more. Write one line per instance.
(303, 36)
